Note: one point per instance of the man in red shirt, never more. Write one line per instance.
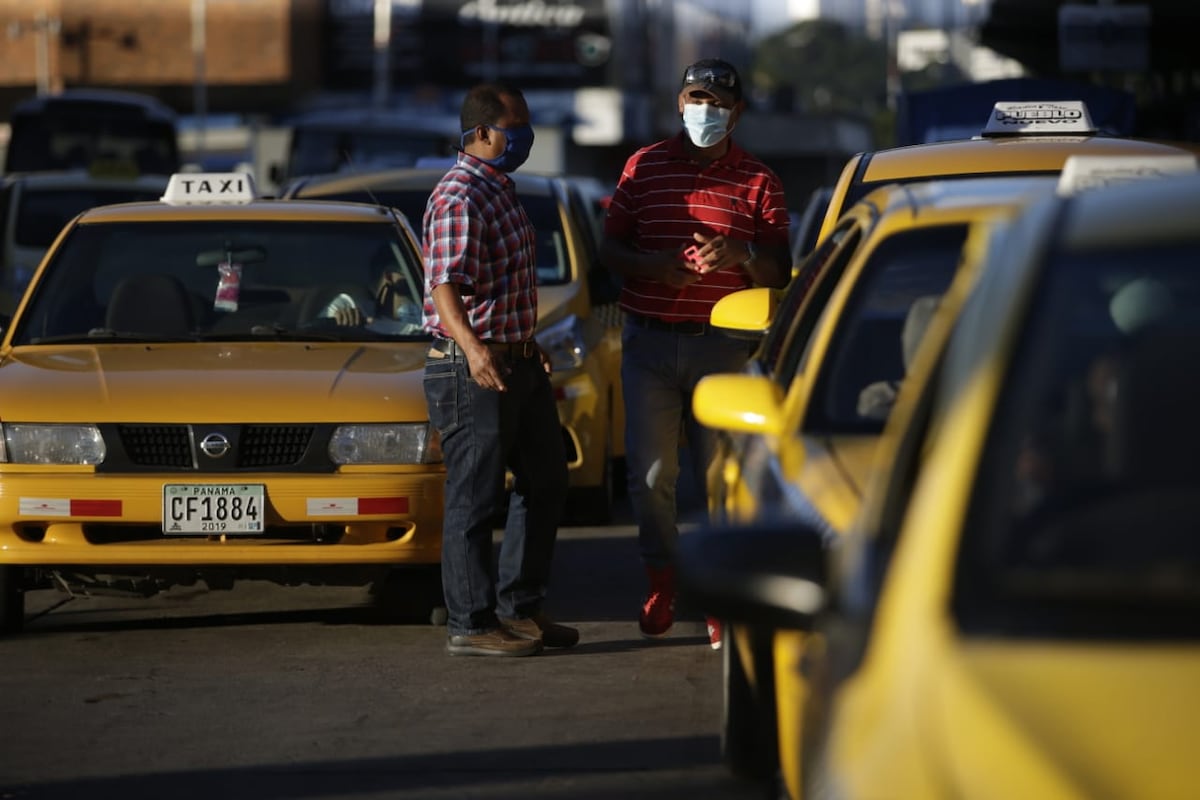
(693, 218)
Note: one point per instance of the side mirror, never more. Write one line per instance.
(772, 574)
(746, 314)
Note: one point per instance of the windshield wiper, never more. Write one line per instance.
(110, 335)
(275, 331)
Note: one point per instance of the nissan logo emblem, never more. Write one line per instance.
(214, 445)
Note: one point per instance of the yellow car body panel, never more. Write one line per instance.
(981, 156)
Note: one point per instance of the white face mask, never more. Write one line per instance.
(706, 124)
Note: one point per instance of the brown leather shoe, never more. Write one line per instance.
(499, 642)
(541, 628)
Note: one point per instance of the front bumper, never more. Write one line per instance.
(349, 518)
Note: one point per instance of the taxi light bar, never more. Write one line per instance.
(1080, 173)
(1034, 118)
(209, 189)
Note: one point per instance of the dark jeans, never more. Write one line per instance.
(483, 432)
(659, 371)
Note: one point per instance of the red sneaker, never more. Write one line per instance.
(714, 632)
(658, 611)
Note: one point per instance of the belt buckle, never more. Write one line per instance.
(526, 349)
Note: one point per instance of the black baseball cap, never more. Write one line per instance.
(715, 76)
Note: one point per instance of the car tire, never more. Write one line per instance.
(749, 739)
(12, 599)
(411, 594)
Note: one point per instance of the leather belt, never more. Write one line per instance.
(448, 348)
(684, 328)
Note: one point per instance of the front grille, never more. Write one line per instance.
(161, 446)
(208, 448)
(273, 445)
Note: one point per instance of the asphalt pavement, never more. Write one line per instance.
(262, 691)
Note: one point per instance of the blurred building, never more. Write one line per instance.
(604, 69)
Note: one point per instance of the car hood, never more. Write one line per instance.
(1063, 720)
(269, 382)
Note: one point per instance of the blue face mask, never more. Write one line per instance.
(518, 141)
(705, 123)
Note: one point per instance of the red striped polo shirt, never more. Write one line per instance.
(664, 196)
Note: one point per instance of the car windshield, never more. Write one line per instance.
(883, 322)
(553, 264)
(226, 280)
(1090, 510)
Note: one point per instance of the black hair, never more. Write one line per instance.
(484, 105)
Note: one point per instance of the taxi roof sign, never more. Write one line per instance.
(1039, 117)
(209, 188)
(1080, 173)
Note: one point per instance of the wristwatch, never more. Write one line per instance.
(753, 254)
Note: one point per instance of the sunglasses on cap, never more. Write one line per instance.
(717, 76)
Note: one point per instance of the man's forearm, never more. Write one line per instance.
(772, 267)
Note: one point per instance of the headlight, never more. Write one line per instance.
(388, 443)
(563, 343)
(29, 443)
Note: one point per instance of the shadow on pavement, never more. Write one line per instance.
(673, 767)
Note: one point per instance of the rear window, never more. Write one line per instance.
(553, 261)
(42, 213)
(317, 151)
(81, 140)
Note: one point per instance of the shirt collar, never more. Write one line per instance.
(481, 169)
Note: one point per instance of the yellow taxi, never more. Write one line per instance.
(802, 439)
(176, 404)
(1013, 612)
(579, 325)
(1019, 137)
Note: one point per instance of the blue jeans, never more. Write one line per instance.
(659, 371)
(482, 433)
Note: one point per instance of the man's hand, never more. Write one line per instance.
(487, 368)
(348, 316)
(717, 252)
(677, 272)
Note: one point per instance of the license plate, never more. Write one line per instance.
(213, 508)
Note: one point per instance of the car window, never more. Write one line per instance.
(213, 279)
(883, 321)
(805, 301)
(808, 225)
(42, 212)
(553, 257)
(1091, 487)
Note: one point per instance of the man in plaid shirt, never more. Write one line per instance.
(487, 384)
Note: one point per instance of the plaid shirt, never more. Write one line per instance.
(476, 234)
